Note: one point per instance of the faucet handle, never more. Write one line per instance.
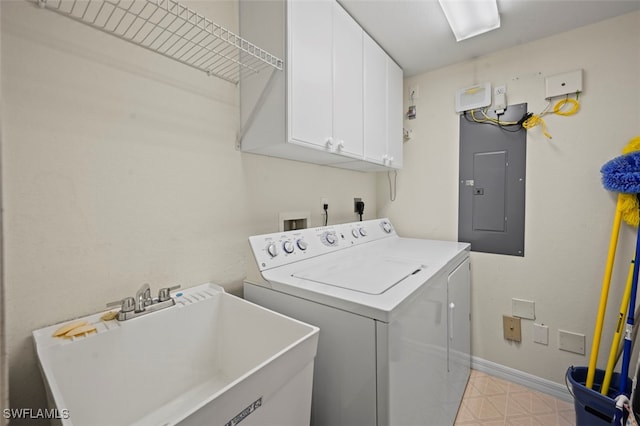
(127, 304)
(165, 293)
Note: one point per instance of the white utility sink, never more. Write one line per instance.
(213, 359)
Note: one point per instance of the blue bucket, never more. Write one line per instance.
(593, 408)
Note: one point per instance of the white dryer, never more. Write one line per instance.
(394, 318)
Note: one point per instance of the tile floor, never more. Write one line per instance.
(490, 401)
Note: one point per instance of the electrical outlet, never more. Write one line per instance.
(500, 98)
(568, 83)
(571, 342)
(355, 204)
(511, 328)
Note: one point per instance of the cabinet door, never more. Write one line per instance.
(310, 71)
(375, 101)
(347, 84)
(394, 114)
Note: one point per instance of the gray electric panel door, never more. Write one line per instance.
(492, 183)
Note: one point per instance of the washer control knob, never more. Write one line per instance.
(363, 232)
(331, 238)
(272, 249)
(387, 227)
(355, 233)
(288, 247)
(302, 244)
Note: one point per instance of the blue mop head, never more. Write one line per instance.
(622, 174)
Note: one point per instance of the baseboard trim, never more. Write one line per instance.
(539, 384)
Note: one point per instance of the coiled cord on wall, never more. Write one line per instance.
(536, 120)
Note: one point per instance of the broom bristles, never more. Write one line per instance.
(629, 209)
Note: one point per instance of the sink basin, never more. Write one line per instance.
(213, 358)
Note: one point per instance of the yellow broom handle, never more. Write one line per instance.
(618, 334)
(604, 294)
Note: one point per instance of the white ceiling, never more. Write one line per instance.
(416, 34)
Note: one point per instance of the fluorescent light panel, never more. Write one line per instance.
(469, 18)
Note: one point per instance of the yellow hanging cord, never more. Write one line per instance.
(536, 120)
(490, 119)
(562, 103)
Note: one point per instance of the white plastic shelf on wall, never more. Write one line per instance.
(172, 30)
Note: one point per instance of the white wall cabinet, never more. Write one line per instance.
(383, 106)
(347, 84)
(309, 66)
(315, 111)
(325, 51)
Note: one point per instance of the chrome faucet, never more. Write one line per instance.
(143, 297)
(143, 303)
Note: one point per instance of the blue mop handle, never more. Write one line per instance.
(626, 358)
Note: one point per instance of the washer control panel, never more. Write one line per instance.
(281, 248)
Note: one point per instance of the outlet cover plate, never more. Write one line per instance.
(541, 334)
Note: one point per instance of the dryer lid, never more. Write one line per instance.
(370, 275)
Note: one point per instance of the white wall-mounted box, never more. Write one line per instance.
(472, 97)
(567, 83)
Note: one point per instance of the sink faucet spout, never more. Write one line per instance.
(143, 297)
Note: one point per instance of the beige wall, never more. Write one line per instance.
(568, 213)
(119, 168)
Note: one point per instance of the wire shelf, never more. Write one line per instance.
(172, 30)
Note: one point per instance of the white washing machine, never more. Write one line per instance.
(394, 318)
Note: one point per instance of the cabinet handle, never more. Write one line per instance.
(330, 144)
(452, 307)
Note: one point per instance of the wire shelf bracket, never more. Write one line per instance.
(172, 30)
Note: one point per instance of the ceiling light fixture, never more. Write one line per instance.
(469, 18)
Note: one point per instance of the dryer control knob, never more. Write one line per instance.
(272, 249)
(288, 247)
(302, 244)
(363, 232)
(355, 233)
